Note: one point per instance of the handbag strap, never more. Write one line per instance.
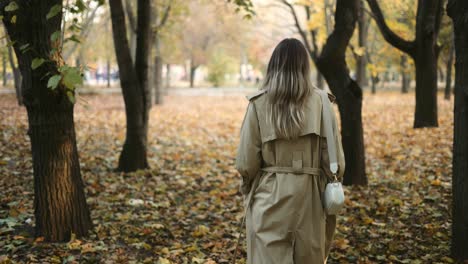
(329, 133)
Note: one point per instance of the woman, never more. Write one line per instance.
(283, 161)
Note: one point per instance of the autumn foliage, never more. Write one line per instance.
(186, 208)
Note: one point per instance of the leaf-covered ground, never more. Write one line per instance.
(186, 208)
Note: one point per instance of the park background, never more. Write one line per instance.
(157, 126)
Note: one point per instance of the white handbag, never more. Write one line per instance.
(333, 197)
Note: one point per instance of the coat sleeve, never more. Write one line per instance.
(325, 161)
(249, 152)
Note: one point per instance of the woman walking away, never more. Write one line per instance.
(283, 160)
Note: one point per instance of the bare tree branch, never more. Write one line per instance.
(298, 25)
(83, 34)
(165, 16)
(391, 37)
(313, 33)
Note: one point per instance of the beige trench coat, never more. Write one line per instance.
(285, 221)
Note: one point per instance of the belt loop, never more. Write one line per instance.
(297, 159)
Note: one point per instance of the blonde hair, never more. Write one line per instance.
(288, 84)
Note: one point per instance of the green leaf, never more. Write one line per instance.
(12, 6)
(71, 97)
(36, 63)
(13, 19)
(72, 77)
(53, 51)
(11, 43)
(54, 10)
(73, 38)
(56, 35)
(54, 81)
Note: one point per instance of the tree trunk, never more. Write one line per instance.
(60, 207)
(458, 11)
(405, 78)
(448, 76)
(158, 66)
(108, 73)
(332, 65)
(374, 80)
(134, 83)
(168, 78)
(4, 71)
(361, 61)
(424, 51)
(426, 86)
(440, 73)
(193, 70)
(158, 85)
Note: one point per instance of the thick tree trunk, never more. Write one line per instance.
(56, 171)
(60, 206)
(405, 76)
(458, 11)
(448, 76)
(333, 66)
(426, 86)
(134, 83)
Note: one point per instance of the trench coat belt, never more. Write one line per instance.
(271, 169)
(302, 170)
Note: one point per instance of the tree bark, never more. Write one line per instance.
(134, 83)
(108, 72)
(448, 76)
(168, 78)
(158, 84)
(458, 11)
(375, 81)
(361, 61)
(426, 86)
(60, 207)
(405, 78)
(4, 71)
(193, 69)
(332, 64)
(424, 51)
(158, 64)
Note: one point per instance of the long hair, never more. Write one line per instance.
(288, 84)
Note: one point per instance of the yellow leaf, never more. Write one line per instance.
(435, 182)
(162, 260)
(200, 231)
(368, 220)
